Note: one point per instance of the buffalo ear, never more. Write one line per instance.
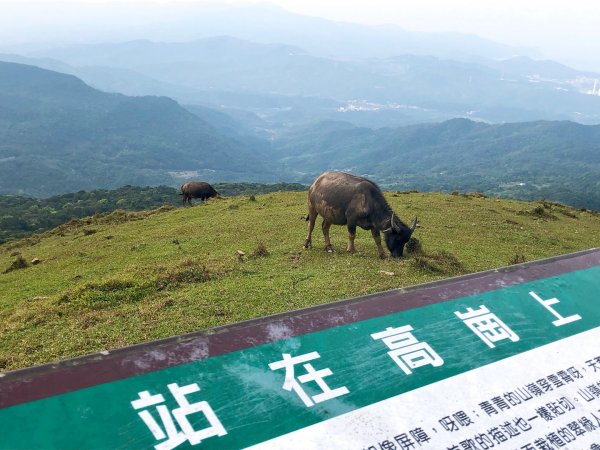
(413, 227)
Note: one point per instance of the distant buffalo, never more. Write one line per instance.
(344, 199)
(197, 189)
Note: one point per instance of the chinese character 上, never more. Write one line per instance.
(548, 305)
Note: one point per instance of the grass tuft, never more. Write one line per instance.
(107, 293)
(187, 271)
(260, 251)
(440, 262)
(517, 259)
(18, 263)
(414, 247)
(539, 212)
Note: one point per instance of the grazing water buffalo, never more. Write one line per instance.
(344, 199)
(197, 189)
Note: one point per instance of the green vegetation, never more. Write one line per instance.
(557, 161)
(59, 135)
(127, 277)
(23, 216)
(229, 189)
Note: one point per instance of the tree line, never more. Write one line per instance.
(23, 216)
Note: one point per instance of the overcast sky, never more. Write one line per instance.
(567, 31)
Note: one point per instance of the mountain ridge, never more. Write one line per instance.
(74, 137)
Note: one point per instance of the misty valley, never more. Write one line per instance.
(242, 104)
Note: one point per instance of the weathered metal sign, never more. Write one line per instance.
(506, 359)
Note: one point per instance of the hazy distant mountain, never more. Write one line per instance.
(108, 79)
(331, 39)
(552, 160)
(285, 84)
(58, 135)
(185, 21)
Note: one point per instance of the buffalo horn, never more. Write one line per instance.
(394, 225)
(414, 225)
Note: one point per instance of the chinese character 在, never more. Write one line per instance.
(406, 351)
(487, 325)
(292, 383)
(168, 430)
(548, 305)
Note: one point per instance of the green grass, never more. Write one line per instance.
(125, 278)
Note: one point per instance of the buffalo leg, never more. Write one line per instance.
(377, 239)
(312, 218)
(326, 225)
(351, 236)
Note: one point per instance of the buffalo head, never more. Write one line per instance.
(397, 235)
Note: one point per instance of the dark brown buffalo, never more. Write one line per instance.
(344, 199)
(197, 189)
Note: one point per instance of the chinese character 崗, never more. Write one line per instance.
(487, 325)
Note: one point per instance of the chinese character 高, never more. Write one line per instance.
(406, 351)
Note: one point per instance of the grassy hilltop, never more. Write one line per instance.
(128, 277)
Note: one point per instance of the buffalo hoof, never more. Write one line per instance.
(329, 249)
(307, 244)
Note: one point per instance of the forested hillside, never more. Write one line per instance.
(531, 160)
(58, 135)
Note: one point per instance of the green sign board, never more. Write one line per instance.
(506, 359)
